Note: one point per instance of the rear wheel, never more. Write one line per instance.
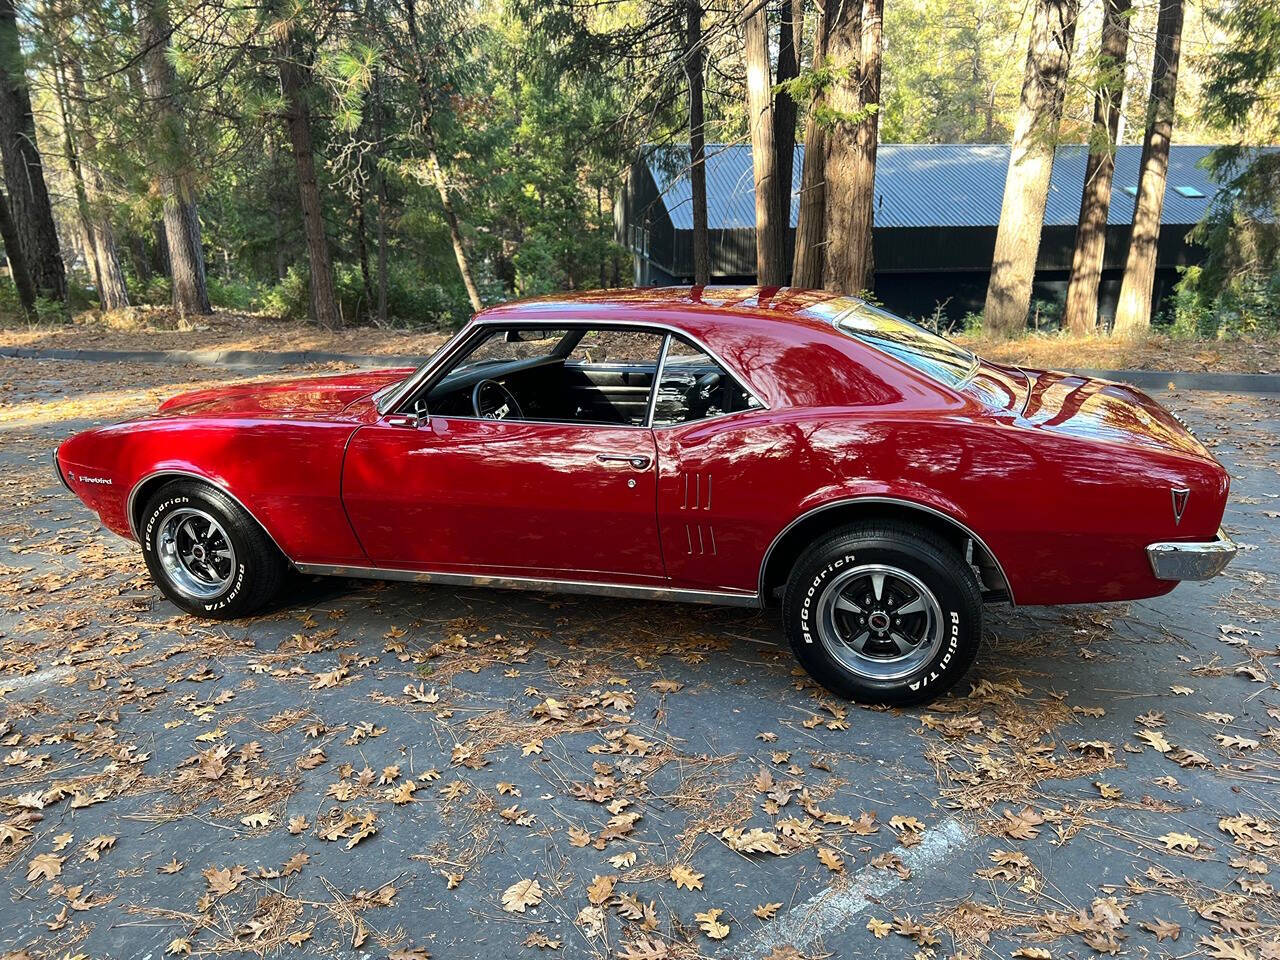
(883, 613)
(206, 553)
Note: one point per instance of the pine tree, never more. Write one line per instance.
(29, 205)
(1133, 310)
(1081, 313)
(1026, 188)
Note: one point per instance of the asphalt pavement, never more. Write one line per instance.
(373, 768)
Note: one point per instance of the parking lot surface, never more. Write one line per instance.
(409, 771)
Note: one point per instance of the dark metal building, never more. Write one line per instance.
(936, 212)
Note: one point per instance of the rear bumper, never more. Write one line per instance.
(1200, 560)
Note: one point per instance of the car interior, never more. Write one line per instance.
(584, 375)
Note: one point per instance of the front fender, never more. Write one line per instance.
(287, 475)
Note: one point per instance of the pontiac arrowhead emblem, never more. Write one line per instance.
(1180, 497)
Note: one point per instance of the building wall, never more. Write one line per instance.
(927, 271)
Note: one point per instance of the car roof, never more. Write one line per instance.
(698, 304)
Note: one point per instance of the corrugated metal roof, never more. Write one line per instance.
(932, 185)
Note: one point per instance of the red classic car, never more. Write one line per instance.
(714, 445)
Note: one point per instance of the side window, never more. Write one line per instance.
(614, 347)
(694, 386)
(500, 346)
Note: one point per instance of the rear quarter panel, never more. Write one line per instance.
(1068, 520)
(288, 474)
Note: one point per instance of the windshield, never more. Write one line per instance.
(902, 339)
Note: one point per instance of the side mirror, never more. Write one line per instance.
(408, 421)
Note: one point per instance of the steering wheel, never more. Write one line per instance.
(492, 401)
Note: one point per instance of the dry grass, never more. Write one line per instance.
(155, 328)
(1155, 351)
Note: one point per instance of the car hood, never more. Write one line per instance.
(1085, 407)
(303, 397)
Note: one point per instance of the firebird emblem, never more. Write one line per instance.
(1180, 497)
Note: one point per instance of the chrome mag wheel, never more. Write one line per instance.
(195, 553)
(879, 621)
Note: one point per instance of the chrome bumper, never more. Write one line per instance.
(1191, 561)
(57, 468)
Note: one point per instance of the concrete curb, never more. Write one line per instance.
(1164, 379)
(260, 359)
(217, 358)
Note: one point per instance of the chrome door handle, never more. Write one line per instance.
(637, 463)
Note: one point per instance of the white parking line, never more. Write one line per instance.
(38, 679)
(835, 908)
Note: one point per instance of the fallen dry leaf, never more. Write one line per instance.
(521, 895)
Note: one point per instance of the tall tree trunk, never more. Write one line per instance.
(77, 176)
(806, 270)
(455, 231)
(181, 218)
(99, 239)
(23, 171)
(867, 138)
(113, 293)
(380, 181)
(769, 228)
(784, 116)
(697, 145)
(13, 253)
(362, 251)
(600, 232)
(426, 92)
(1026, 188)
(1133, 311)
(848, 249)
(1081, 313)
(139, 256)
(293, 84)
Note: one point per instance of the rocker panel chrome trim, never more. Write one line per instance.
(899, 502)
(586, 587)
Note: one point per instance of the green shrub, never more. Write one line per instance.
(154, 292)
(290, 298)
(412, 300)
(232, 294)
(81, 294)
(1246, 305)
(10, 307)
(52, 311)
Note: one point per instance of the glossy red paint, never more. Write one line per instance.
(1065, 480)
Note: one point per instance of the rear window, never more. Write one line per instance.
(913, 345)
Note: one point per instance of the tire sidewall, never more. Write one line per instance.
(961, 619)
(233, 596)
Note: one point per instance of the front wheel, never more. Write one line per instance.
(206, 553)
(883, 613)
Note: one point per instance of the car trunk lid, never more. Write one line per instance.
(1087, 407)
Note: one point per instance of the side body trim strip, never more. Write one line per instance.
(587, 587)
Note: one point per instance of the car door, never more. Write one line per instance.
(715, 454)
(506, 497)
